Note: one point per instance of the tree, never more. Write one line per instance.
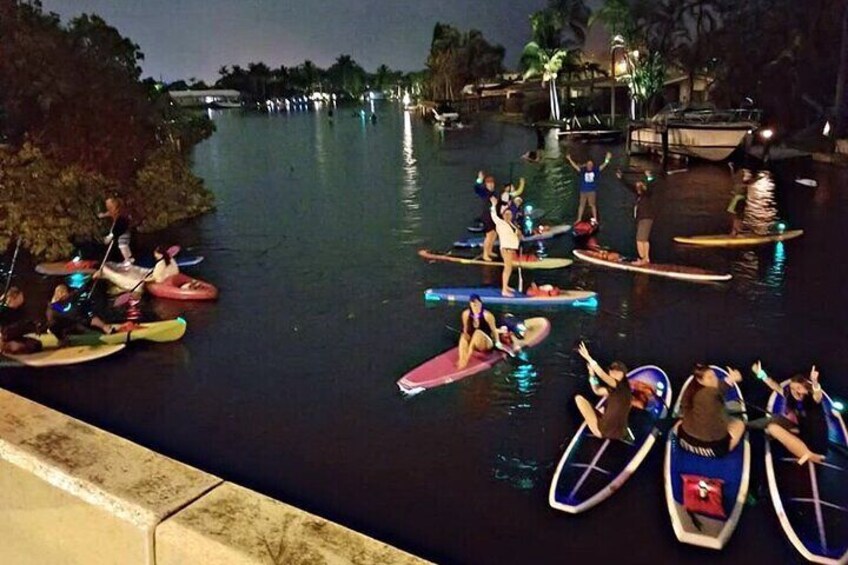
(458, 58)
(547, 64)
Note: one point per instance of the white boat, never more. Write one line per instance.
(703, 133)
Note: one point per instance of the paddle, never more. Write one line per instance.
(100, 270)
(125, 297)
(11, 270)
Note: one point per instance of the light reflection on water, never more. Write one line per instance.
(410, 186)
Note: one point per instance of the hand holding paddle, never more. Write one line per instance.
(125, 298)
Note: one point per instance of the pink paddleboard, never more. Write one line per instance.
(441, 370)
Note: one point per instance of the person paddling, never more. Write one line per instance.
(509, 237)
(588, 184)
(64, 318)
(802, 425)
(120, 231)
(706, 428)
(485, 189)
(612, 384)
(479, 331)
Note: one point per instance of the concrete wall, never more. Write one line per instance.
(74, 494)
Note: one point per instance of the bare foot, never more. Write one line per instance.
(487, 258)
(507, 293)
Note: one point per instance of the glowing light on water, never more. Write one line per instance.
(77, 280)
(838, 405)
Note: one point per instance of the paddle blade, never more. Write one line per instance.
(123, 299)
(173, 250)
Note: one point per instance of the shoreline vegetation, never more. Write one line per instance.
(77, 124)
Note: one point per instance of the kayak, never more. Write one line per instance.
(159, 332)
(593, 469)
(181, 259)
(61, 356)
(441, 370)
(491, 295)
(679, 272)
(172, 288)
(125, 278)
(811, 501)
(724, 481)
(529, 212)
(529, 262)
(547, 232)
(724, 240)
(64, 268)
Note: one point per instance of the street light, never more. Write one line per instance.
(616, 43)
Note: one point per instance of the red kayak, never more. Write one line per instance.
(441, 370)
(183, 287)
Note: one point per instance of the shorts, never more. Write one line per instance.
(714, 449)
(643, 229)
(488, 222)
(590, 197)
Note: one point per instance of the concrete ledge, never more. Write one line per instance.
(233, 525)
(71, 493)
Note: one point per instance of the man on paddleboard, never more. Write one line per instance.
(613, 384)
(485, 189)
(479, 331)
(588, 184)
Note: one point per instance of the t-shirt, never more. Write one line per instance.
(644, 208)
(706, 418)
(613, 424)
(162, 271)
(588, 179)
(811, 419)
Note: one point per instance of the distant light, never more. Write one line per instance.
(781, 227)
(826, 130)
(838, 405)
(767, 133)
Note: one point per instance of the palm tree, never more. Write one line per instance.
(840, 104)
(547, 63)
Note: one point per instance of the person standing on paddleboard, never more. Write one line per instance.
(802, 427)
(509, 238)
(588, 184)
(120, 228)
(706, 428)
(612, 384)
(643, 214)
(476, 322)
(738, 200)
(485, 189)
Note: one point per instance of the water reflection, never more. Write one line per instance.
(410, 186)
(522, 474)
(761, 210)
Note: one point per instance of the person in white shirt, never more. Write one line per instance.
(508, 239)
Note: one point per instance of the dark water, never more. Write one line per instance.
(287, 384)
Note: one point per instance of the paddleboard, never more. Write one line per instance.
(811, 500)
(125, 278)
(441, 370)
(530, 262)
(62, 356)
(64, 268)
(593, 469)
(159, 332)
(733, 470)
(181, 259)
(724, 240)
(679, 272)
(546, 233)
(492, 295)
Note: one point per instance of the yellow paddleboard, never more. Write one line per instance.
(724, 240)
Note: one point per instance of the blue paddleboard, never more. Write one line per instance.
(491, 295)
(182, 261)
(548, 233)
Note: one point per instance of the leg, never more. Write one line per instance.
(488, 244)
(508, 257)
(581, 208)
(793, 444)
(592, 199)
(736, 429)
(464, 351)
(480, 341)
(589, 415)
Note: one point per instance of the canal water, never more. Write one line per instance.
(287, 384)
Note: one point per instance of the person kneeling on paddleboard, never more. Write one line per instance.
(802, 427)
(64, 317)
(479, 331)
(509, 237)
(613, 384)
(706, 428)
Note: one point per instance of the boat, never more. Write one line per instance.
(723, 479)
(811, 500)
(704, 133)
(592, 469)
(492, 295)
(183, 287)
(588, 129)
(441, 370)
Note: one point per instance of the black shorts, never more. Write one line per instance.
(718, 448)
(488, 222)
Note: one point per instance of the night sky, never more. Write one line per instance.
(194, 38)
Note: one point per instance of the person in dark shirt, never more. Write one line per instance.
(121, 228)
(588, 184)
(485, 189)
(643, 214)
(706, 428)
(613, 384)
(14, 326)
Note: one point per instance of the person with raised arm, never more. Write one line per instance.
(612, 384)
(588, 184)
(509, 239)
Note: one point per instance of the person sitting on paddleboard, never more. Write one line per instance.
(120, 228)
(14, 326)
(479, 331)
(588, 184)
(706, 428)
(739, 199)
(65, 318)
(613, 384)
(485, 189)
(643, 213)
(509, 237)
(802, 426)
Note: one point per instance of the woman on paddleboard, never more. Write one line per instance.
(485, 189)
(479, 331)
(612, 384)
(509, 237)
(588, 184)
(706, 428)
(120, 228)
(802, 427)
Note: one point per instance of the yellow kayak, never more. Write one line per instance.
(60, 356)
(159, 332)
(724, 240)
